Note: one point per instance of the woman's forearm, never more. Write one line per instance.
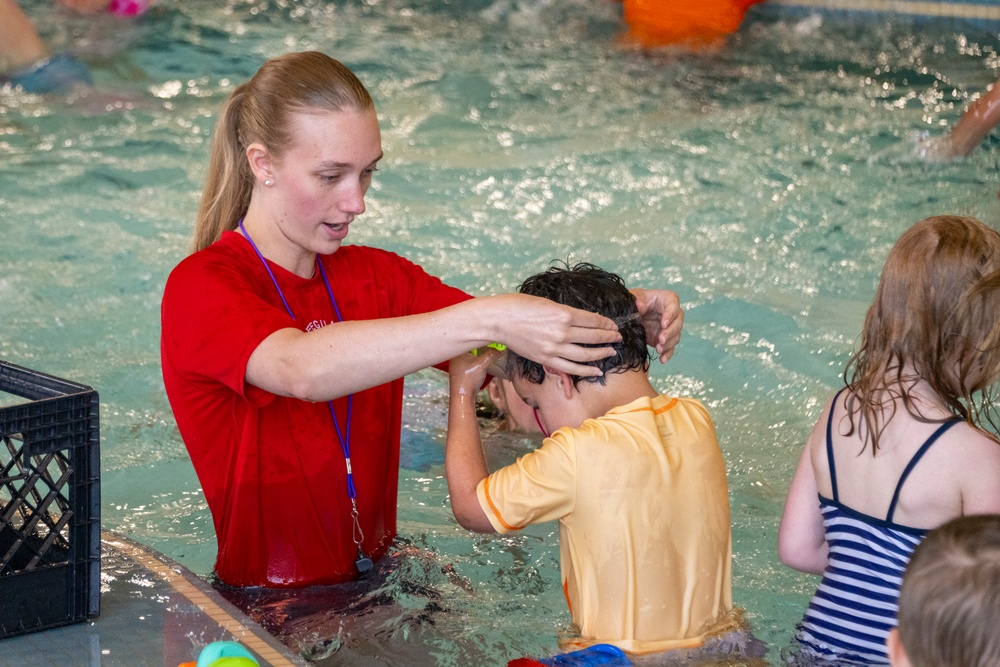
(346, 357)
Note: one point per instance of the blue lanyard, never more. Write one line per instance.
(363, 563)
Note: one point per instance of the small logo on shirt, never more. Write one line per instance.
(317, 324)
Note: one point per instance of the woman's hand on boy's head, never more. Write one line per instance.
(663, 319)
(549, 333)
(468, 371)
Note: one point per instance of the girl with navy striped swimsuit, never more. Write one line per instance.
(902, 448)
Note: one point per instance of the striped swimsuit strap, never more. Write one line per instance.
(941, 430)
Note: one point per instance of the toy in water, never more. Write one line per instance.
(496, 369)
(703, 23)
(606, 655)
(224, 654)
(496, 346)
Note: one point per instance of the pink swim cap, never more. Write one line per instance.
(128, 7)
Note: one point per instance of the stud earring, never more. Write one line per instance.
(268, 182)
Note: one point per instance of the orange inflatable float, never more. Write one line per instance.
(693, 23)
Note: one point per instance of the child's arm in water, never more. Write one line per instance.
(25, 60)
(977, 121)
(968, 133)
(464, 462)
(801, 539)
(20, 45)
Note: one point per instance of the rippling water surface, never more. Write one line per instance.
(764, 183)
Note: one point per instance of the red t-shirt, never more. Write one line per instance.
(272, 468)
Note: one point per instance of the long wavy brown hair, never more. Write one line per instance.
(936, 318)
(259, 111)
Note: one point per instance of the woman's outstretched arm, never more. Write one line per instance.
(346, 357)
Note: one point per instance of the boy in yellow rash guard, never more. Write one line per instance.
(636, 480)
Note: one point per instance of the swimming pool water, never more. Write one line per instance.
(764, 183)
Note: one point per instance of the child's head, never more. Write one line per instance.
(934, 315)
(554, 395)
(516, 414)
(950, 599)
(589, 288)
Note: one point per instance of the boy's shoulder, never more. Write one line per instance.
(652, 421)
(656, 411)
(661, 404)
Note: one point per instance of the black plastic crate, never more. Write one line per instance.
(50, 502)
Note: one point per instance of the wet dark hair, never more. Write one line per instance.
(593, 289)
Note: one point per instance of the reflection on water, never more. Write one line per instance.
(395, 615)
(764, 183)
